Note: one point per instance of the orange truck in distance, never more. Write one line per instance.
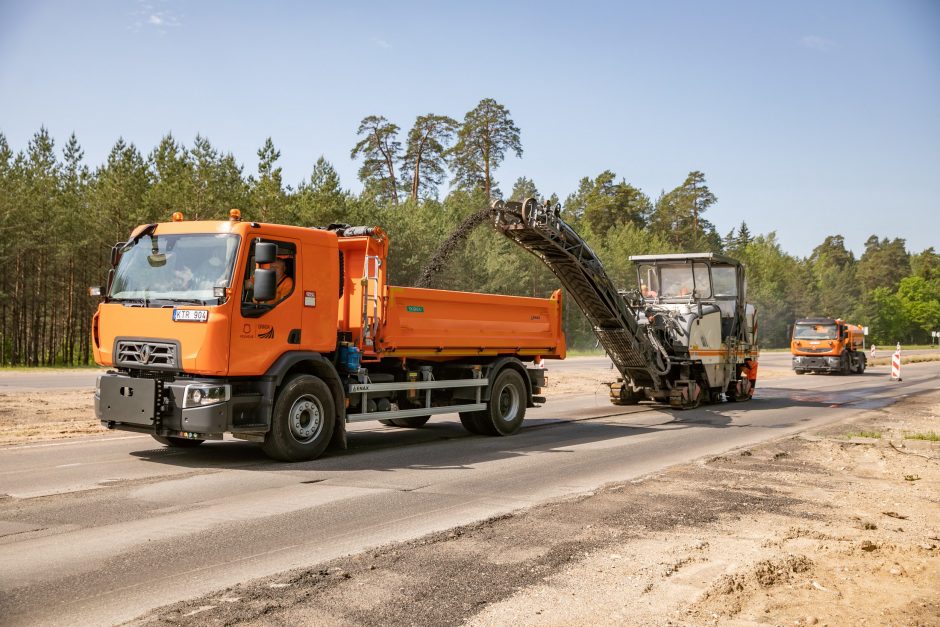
(284, 334)
(827, 345)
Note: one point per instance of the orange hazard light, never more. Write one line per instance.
(178, 216)
(235, 215)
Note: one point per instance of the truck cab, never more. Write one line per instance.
(827, 346)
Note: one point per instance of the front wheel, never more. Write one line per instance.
(302, 422)
(174, 442)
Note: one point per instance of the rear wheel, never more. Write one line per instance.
(800, 371)
(175, 442)
(302, 423)
(470, 421)
(505, 411)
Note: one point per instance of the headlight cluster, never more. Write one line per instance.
(199, 395)
(833, 361)
(98, 388)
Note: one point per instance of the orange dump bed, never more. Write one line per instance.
(440, 323)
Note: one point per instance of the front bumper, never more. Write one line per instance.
(161, 407)
(817, 364)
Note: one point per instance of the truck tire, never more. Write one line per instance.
(302, 422)
(410, 423)
(506, 409)
(168, 440)
(800, 371)
(471, 421)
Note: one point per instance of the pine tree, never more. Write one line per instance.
(380, 151)
(267, 190)
(320, 200)
(425, 152)
(523, 188)
(677, 215)
(485, 136)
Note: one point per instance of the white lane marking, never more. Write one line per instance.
(20, 447)
(69, 465)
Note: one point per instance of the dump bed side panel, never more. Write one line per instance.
(439, 323)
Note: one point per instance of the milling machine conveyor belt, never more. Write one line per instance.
(540, 230)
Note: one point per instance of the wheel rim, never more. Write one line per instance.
(508, 403)
(306, 419)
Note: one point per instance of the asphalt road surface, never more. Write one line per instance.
(101, 529)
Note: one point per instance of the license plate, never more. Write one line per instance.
(190, 315)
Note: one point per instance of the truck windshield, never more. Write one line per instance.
(175, 268)
(815, 332)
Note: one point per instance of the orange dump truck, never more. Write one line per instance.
(284, 334)
(827, 345)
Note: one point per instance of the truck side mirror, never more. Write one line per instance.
(265, 287)
(265, 252)
(116, 253)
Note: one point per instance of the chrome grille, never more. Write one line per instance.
(140, 354)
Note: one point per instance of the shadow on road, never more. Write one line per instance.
(435, 446)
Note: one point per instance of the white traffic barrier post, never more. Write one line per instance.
(896, 364)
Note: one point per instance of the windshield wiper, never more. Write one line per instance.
(177, 301)
(130, 302)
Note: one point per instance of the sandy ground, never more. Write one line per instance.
(47, 415)
(838, 527)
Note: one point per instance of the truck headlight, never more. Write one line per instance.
(199, 395)
(833, 361)
(98, 388)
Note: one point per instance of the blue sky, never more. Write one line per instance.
(808, 118)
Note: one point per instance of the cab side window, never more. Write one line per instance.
(284, 266)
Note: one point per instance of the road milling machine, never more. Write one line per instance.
(686, 336)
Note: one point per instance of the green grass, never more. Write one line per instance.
(930, 436)
(863, 434)
(585, 352)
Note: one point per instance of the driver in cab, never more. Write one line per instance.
(284, 283)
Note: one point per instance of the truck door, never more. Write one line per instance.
(262, 332)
